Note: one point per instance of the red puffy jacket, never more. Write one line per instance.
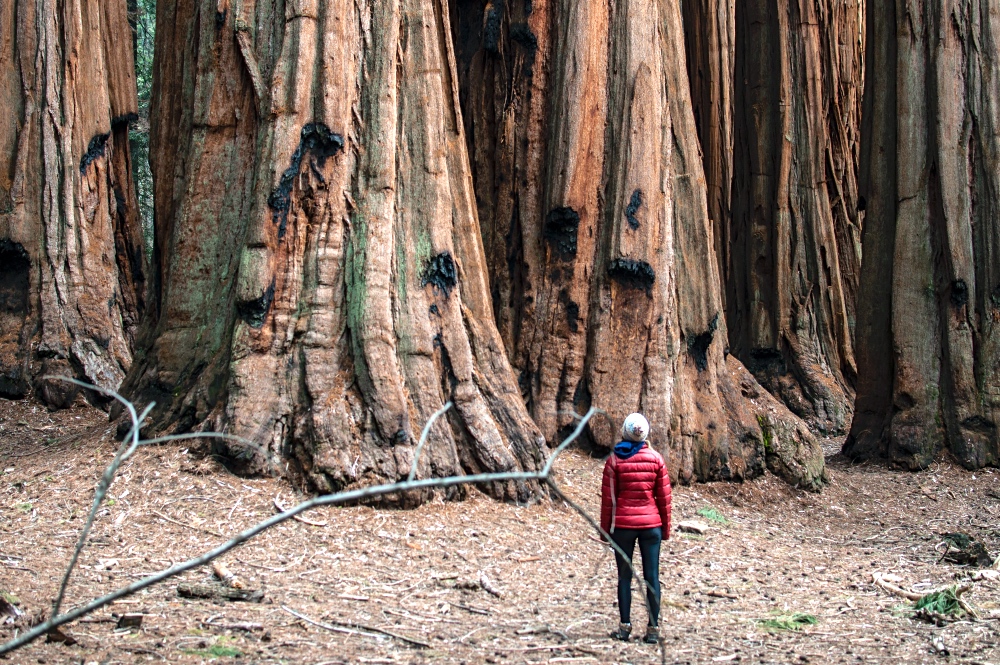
(636, 491)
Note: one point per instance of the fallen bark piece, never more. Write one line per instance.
(8, 608)
(58, 636)
(487, 584)
(129, 621)
(227, 576)
(714, 593)
(693, 526)
(881, 580)
(218, 592)
(965, 550)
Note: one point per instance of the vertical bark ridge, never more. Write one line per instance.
(72, 263)
(710, 49)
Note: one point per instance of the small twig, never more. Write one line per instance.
(189, 526)
(326, 626)
(474, 610)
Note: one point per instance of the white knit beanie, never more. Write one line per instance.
(635, 428)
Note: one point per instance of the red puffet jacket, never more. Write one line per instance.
(635, 492)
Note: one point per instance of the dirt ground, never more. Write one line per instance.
(365, 570)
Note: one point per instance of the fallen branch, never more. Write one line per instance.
(892, 588)
(350, 496)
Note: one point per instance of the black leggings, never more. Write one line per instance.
(649, 551)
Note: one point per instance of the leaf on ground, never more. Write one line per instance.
(793, 621)
(712, 514)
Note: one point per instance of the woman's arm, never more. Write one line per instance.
(606, 492)
(662, 493)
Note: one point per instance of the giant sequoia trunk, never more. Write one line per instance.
(592, 198)
(710, 41)
(795, 251)
(320, 285)
(71, 263)
(929, 316)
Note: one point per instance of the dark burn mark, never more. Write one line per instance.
(573, 316)
(633, 274)
(254, 312)
(492, 20)
(572, 311)
(220, 19)
(95, 150)
(15, 267)
(320, 142)
(698, 345)
(433, 309)
(528, 7)
(633, 207)
(440, 273)
(126, 119)
(522, 35)
(959, 293)
(560, 230)
(862, 204)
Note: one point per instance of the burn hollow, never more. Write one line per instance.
(561, 228)
(317, 140)
(95, 150)
(633, 207)
(632, 274)
(254, 311)
(440, 273)
(699, 344)
(492, 22)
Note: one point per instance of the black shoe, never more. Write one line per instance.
(623, 632)
(652, 635)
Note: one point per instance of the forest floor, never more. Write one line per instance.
(782, 551)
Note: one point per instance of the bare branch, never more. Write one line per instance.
(349, 496)
(423, 438)
(124, 452)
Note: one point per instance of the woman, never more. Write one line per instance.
(635, 506)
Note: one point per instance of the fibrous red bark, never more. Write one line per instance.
(592, 198)
(71, 262)
(928, 337)
(710, 49)
(794, 234)
(320, 272)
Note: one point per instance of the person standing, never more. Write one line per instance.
(635, 507)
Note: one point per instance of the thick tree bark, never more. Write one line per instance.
(71, 262)
(795, 253)
(320, 272)
(592, 197)
(710, 47)
(929, 314)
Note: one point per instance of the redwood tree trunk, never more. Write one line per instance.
(71, 262)
(320, 287)
(710, 48)
(795, 224)
(592, 198)
(929, 314)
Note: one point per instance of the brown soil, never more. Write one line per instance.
(403, 571)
